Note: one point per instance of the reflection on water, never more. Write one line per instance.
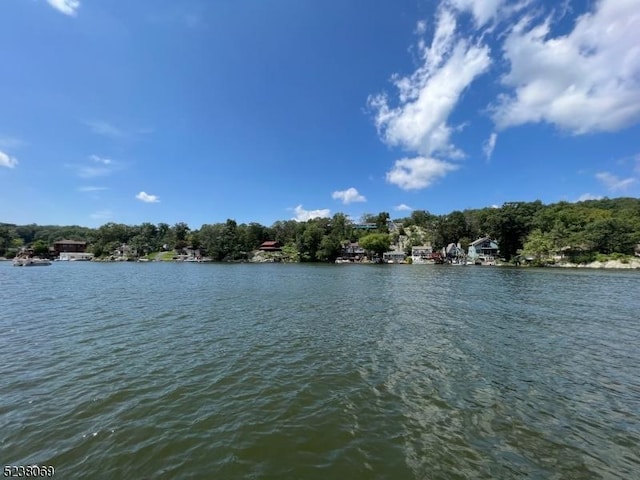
(295, 371)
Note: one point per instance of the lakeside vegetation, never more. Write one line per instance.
(583, 232)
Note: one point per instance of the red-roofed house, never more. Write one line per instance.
(270, 246)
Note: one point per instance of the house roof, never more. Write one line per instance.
(269, 243)
(480, 240)
(69, 242)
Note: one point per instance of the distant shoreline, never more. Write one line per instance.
(632, 264)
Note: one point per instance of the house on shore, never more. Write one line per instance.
(70, 250)
(69, 246)
(422, 253)
(453, 252)
(352, 252)
(270, 246)
(483, 250)
(394, 256)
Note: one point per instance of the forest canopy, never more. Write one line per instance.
(605, 226)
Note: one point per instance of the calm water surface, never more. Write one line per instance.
(184, 371)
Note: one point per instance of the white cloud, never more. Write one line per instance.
(147, 198)
(419, 172)
(7, 161)
(426, 99)
(585, 81)
(587, 196)
(303, 215)
(429, 95)
(348, 196)
(92, 189)
(103, 161)
(68, 7)
(614, 183)
(489, 145)
(483, 10)
(402, 208)
(421, 27)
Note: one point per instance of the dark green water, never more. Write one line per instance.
(187, 371)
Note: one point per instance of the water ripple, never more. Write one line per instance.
(293, 371)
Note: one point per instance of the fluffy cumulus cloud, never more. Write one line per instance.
(585, 81)
(613, 182)
(417, 173)
(426, 99)
(7, 161)
(428, 96)
(302, 215)
(147, 198)
(402, 208)
(350, 195)
(68, 7)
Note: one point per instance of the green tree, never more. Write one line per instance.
(166, 235)
(40, 248)
(382, 220)
(422, 218)
(377, 243)
(538, 245)
(341, 227)
(512, 224)
(285, 231)
(329, 249)
(610, 235)
(181, 232)
(309, 241)
(211, 240)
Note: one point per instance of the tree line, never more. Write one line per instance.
(583, 229)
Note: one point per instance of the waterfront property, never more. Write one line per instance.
(453, 251)
(352, 251)
(422, 253)
(270, 246)
(394, 256)
(483, 250)
(69, 246)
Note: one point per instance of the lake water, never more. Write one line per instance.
(188, 371)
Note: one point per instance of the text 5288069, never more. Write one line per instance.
(28, 471)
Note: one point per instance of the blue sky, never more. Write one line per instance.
(199, 111)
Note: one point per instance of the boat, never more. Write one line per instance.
(31, 262)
